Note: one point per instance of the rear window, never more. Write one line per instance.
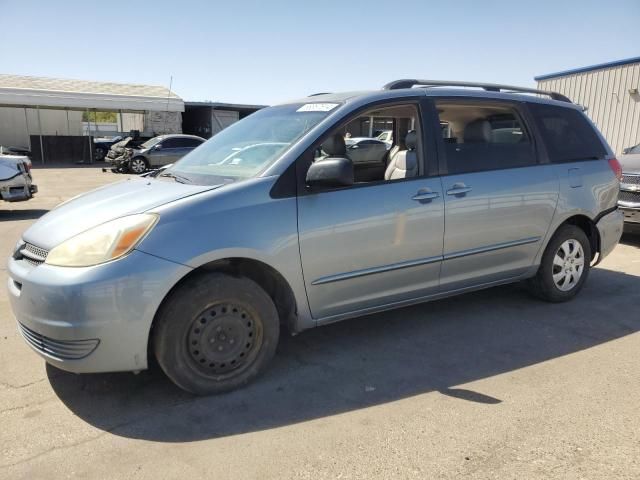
(567, 134)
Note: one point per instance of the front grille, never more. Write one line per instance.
(33, 255)
(59, 349)
(631, 179)
(629, 197)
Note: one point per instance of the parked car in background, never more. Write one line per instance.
(369, 156)
(203, 264)
(629, 199)
(630, 150)
(153, 153)
(20, 151)
(102, 145)
(16, 183)
(386, 136)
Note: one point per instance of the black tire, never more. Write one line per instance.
(543, 284)
(215, 333)
(100, 154)
(138, 165)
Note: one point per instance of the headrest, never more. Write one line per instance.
(411, 140)
(334, 146)
(478, 131)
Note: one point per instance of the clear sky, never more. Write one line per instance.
(270, 51)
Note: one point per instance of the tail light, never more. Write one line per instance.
(617, 169)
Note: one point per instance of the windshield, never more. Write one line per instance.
(150, 143)
(249, 146)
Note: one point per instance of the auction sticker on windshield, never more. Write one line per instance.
(317, 107)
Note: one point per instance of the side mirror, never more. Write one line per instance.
(330, 172)
(158, 146)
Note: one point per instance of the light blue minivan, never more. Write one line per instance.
(272, 225)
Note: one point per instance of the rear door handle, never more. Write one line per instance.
(425, 195)
(458, 189)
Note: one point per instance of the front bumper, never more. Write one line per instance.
(91, 319)
(610, 230)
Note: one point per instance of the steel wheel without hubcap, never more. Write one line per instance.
(568, 265)
(215, 332)
(137, 165)
(224, 340)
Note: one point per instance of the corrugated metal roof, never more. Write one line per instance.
(83, 86)
(599, 66)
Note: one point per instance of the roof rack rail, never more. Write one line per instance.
(490, 87)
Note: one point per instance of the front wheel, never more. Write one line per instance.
(216, 333)
(137, 165)
(564, 267)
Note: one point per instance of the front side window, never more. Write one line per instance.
(191, 142)
(374, 160)
(246, 148)
(481, 136)
(567, 134)
(150, 143)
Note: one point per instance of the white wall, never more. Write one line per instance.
(224, 119)
(15, 126)
(160, 123)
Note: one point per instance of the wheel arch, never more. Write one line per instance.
(588, 226)
(267, 277)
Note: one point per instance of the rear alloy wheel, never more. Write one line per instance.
(568, 265)
(137, 165)
(564, 267)
(215, 333)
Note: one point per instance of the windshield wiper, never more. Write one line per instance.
(177, 178)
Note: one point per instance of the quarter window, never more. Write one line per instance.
(567, 134)
(481, 136)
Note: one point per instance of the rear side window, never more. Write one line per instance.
(567, 134)
(480, 136)
(192, 142)
(170, 143)
(181, 142)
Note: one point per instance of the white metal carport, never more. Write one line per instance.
(65, 96)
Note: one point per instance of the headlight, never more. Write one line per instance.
(103, 243)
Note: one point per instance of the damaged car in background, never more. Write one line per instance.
(157, 152)
(16, 183)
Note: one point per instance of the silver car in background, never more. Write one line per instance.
(271, 225)
(154, 153)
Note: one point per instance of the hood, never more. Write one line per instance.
(135, 195)
(9, 166)
(630, 163)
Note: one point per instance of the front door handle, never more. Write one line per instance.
(425, 195)
(458, 189)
